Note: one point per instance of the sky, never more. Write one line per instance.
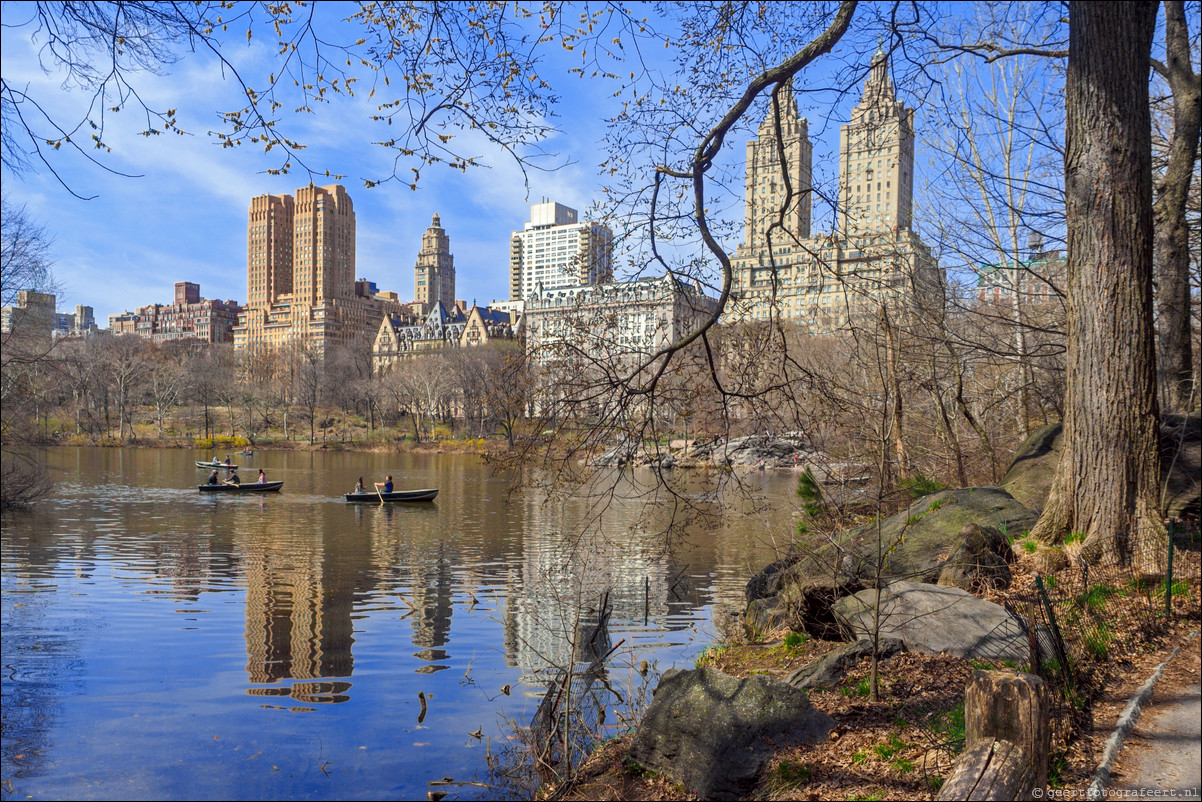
(182, 217)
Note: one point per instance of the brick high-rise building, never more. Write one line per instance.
(765, 188)
(876, 159)
(300, 273)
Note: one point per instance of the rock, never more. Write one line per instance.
(715, 733)
(921, 539)
(767, 581)
(1029, 477)
(1050, 560)
(828, 670)
(935, 619)
(1181, 457)
(788, 451)
(1030, 473)
(979, 562)
(763, 616)
(811, 585)
(960, 530)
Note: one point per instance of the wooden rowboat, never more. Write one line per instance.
(249, 487)
(230, 467)
(396, 495)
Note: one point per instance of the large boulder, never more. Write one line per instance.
(935, 619)
(956, 537)
(827, 671)
(979, 562)
(714, 733)
(919, 541)
(1029, 477)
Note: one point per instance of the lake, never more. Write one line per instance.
(160, 643)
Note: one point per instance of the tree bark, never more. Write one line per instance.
(1172, 228)
(1106, 482)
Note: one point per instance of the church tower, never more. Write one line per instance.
(876, 160)
(434, 274)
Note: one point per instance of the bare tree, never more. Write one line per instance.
(1173, 236)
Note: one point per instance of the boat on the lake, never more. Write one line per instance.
(249, 487)
(230, 466)
(397, 495)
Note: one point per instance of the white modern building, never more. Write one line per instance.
(555, 249)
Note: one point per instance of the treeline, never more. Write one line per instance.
(107, 388)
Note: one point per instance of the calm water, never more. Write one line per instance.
(163, 644)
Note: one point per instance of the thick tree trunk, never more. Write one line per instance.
(1172, 229)
(1106, 481)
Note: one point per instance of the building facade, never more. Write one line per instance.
(434, 273)
(300, 274)
(554, 249)
(400, 337)
(613, 322)
(190, 317)
(34, 315)
(823, 282)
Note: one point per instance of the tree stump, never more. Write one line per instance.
(1015, 707)
(990, 770)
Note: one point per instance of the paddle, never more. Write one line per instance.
(379, 494)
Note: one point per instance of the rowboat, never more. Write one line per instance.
(397, 495)
(230, 467)
(249, 487)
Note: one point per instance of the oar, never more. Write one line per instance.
(378, 493)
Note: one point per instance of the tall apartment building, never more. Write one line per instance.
(876, 160)
(434, 274)
(824, 281)
(300, 273)
(554, 249)
(33, 316)
(765, 187)
(614, 322)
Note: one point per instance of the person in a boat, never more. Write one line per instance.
(359, 486)
(234, 479)
(227, 460)
(386, 484)
(262, 477)
(213, 477)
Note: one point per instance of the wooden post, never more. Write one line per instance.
(1011, 706)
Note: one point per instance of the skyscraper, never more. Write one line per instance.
(876, 159)
(554, 250)
(434, 274)
(300, 273)
(825, 281)
(765, 187)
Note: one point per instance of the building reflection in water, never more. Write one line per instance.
(300, 594)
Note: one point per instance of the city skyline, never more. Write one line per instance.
(185, 219)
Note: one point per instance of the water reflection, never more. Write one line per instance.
(188, 621)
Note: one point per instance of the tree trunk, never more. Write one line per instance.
(1172, 228)
(896, 409)
(1106, 481)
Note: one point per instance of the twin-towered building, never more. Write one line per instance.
(823, 282)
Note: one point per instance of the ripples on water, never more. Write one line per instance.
(160, 643)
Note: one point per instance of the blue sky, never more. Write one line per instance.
(184, 218)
